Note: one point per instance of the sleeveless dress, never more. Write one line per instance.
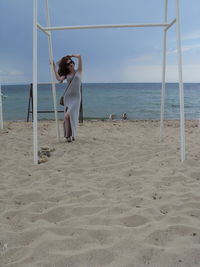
(72, 100)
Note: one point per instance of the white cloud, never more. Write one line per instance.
(141, 59)
(153, 73)
(6, 72)
(12, 76)
(142, 73)
(16, 73)
(195, 35)
(191, 36)
(186, 48)
(191, 73)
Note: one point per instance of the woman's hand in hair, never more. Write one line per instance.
(79, 61)
(75, 55)
(68, 57)
(80, 64)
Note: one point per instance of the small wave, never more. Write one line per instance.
(178, 106)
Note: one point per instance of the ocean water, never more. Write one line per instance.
(140, 101)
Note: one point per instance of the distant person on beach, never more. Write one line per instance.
(65, 69)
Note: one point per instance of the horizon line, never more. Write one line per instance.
(43, 83)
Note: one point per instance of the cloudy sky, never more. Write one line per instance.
(109, 55)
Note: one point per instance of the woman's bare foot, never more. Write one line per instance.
(68, 139)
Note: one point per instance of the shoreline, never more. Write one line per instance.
(107, 119)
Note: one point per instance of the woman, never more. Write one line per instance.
(72, 96)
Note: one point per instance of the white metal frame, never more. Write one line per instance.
(47, 30)
(1, 110)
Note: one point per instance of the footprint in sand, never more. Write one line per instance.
(134, 221)
(27, 198)
(170, 235)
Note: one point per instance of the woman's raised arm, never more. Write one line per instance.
(80, 64)
(58, 77)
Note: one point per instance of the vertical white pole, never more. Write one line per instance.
(181, 92)
(35, 136)
(163, 74)
(52, 72)
(1, 110)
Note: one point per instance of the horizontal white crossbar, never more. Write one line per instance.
(79, 27)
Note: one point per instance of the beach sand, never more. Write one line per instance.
(115, 197)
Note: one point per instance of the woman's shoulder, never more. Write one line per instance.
(79, 73)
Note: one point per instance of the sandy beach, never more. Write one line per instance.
(115, 197)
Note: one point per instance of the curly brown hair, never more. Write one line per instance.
(63, 66)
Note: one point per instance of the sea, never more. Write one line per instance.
(140, 101)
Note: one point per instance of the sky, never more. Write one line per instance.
(109, 55)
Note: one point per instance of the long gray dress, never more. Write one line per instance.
(72, 100)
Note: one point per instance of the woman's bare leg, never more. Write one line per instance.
(67, 125)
